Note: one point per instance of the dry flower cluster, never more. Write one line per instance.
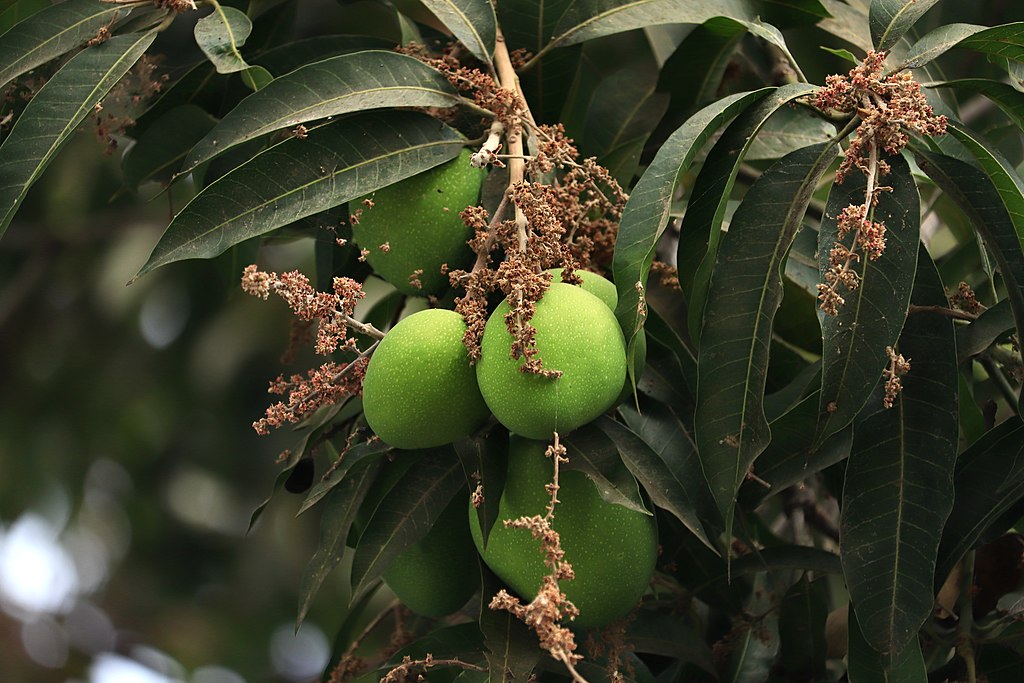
(888, 107)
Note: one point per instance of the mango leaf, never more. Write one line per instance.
(788, 129)
(485, 461)
(647, 212)
(359, 453)
(865, 665)
(743, 296)
(52, 32)
(702, 223)
(18, 11)
(802, 615)
(991, 198)
(337, 85)
(693, 73)
(847, 22)
(471, 21)
(588, 19)
(991, 325)
(1005, 41)
(754, 646)
(221, 35)
(1006, 97)
(776, 559)
(55, 112)
(871, 319)
(592, 452)
(669, 471)
(899, 480)
(406, 514)
(160, 150)
(339, 512)
(335, 163)
(282, 59)
(989, 480)
(512, 651)
(890, 20)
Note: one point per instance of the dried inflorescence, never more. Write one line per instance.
(332, 314)
(546, 612)
(964, 299)
(125, 100)
(889, 107)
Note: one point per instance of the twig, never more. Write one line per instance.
(942, 310)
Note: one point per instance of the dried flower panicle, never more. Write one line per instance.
(546, 612)
(126, 99)
(964, 299)
(332, 313)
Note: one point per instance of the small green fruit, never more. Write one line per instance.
(599, 286)
(420, 390)
(437, 575)
(612, 549)
(576, 334)
(418, 219)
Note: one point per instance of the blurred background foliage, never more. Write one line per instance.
(128, 467)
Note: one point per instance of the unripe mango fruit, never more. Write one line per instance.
(420, 390)
(576, 334)
(597, 285)
(439, 573)
(612, 549)
(418, 219)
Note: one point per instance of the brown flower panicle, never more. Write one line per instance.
(332, 313)
(898, 366)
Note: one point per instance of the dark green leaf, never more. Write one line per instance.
(359, 453)
(471, 21)
(1006, 97)
(588, 19)
(871, 319)
(843, 54)
(991, 325)
(847, 22)
(693, 74)
(1006, 41)
(591, 451)
(486, 456)
(669, 472)
(53, 32)
(868, 666)
(290, 56)
(221, 35)
(55, 112)
(754, 645)
(512, 650)
(937, 42)
(701, 231)
(743, 296)
(891, 19)
(161, 148)
(406, 514)
(899, 480)
(989, 480)
(647, 211)
(992, 200)
(19, 10)
(789, 129)
(334, 164)
(669, 636)
(802, 616)
(339, 512)
(339, 85)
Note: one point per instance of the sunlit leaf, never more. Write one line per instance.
(55, 112)
(221, 35)
(899, 480)
(743, 296)
(339, 513)
(52, 32)
(472, 21)
(331, 87)
(298, 177)
(891, 19)
(873, 314)
(406, 513)
(647, 211)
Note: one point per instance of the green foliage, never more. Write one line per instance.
(782, 447)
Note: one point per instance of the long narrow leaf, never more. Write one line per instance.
(1006, 41)
(744, 294)
(338, 85)
(472, 21)
(52, 32)
(891, 19)
(899, 481)
(55, 112)
(296, 178)
(854, 341)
